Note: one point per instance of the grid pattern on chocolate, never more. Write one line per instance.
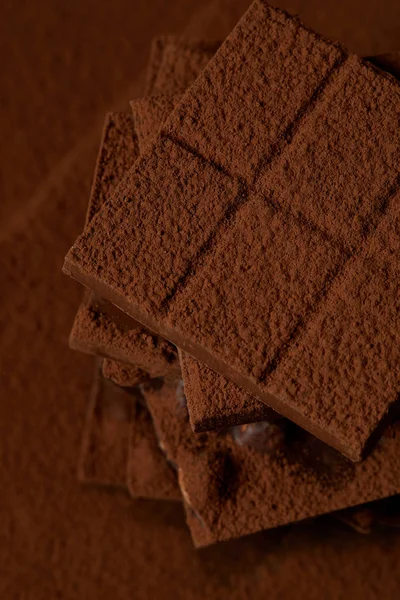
(177, 303)
(123, 374)
(98, 328)
(215, 403)
(379, 188)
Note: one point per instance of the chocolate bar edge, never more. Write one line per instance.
(71, 269)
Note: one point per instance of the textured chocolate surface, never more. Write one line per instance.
(98, 327)
(103, 327)
(297, 475)
(65, 540)
(123, 374)
(149, 114)
(214, 402)
(193, 292)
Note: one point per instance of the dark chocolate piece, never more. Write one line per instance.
(100, 328)
(214, 402)
(264, 475)
(259, 232)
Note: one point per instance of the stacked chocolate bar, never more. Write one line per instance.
(247, 212)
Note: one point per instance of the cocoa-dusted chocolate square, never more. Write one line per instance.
(263, 475)
(175, 62)
(213, 401)
(186, 207)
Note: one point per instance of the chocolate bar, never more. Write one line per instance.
(213, 401)
(263, 475)
(259, 231)
(104, 329)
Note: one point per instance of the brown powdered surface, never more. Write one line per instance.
(213, 401)
(181, 62)
(329, 106)
(70, 541)
(296, 476)
(102, 329)
(123, 374)
(98, 325)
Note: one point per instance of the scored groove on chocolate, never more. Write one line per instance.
(214, 402)
(359, 96)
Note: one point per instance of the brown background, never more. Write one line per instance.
(63, 65)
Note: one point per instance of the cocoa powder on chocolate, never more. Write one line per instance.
(253, 192)
(263, 475)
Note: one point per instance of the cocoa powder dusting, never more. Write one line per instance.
(61, 539)
(233, 149)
